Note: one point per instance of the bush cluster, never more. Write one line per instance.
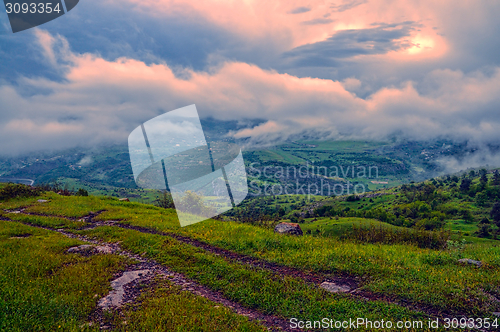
(13, 190)
(389, 235)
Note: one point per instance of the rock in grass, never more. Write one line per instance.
(334, 288)
(124, 199)
(42, 201)
(84, 249)
(470, 262)
(288, 228)
(116, 296)
(87, 250)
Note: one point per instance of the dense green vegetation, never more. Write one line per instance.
(165, 307)
(402, 243)
(473, 199)
(11, 190)
(253, 288)
(41, 287)
(106, 170)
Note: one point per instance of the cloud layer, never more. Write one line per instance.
(99, 100)
(365, 69)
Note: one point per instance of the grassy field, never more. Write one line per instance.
(39, 278)
(44, 289)
(165, 307)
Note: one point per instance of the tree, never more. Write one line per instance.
(82, 192)
(480, 199)
(495, 212)
(484, 178)
(294, 217)
(496, 178)
(164, 200)
(196, 204)
(484, 221)
(465, 185)
(466, 215)
(484, 231)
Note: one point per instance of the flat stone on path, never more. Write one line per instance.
(115, 297)
(334, 288)
(87, 250)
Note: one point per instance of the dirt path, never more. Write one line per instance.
(333, 283)
(150, 268)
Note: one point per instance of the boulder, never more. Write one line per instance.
(84, 249)
(288, 228)
(470, 262)
(42, 201)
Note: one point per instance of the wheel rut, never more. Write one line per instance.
(340, 283)
(149, 268)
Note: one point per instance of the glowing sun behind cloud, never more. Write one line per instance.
(428, 46)
(421, 44)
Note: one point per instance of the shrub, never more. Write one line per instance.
(194, 203)
(164, 200)
(430, 224)
(458, 245)
(484, 221)
(352, 198)
(82, 192)
(56, 187)
(12, 190)
(390, 235)
(495, 212)
(294, 217)
(466, 215)
(484, 230)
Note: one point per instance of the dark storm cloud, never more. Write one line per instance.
(346, 5)
(300, 10)
(318, 21)
(116, 31)
(349, 43)
(233, 66)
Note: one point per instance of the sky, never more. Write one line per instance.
(318, 69)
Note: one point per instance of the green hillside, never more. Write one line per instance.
(241, 276)
(106, 170)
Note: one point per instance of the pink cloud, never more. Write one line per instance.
(101, 101)
(259, 19)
